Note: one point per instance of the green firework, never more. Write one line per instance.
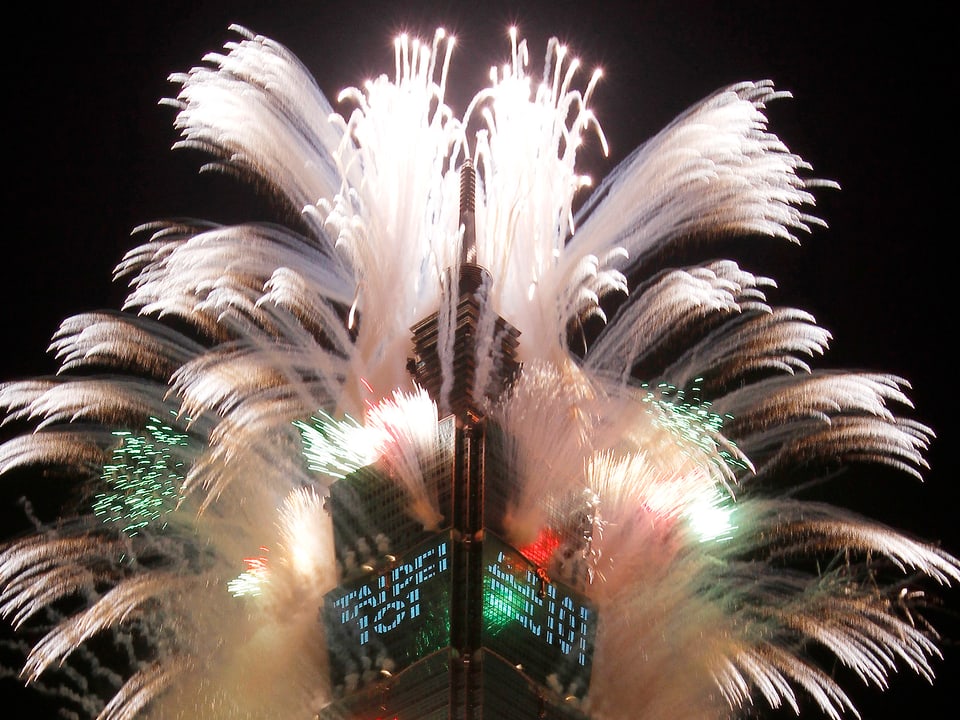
(143, 478)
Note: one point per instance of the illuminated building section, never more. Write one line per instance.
(453, 624)
(522, 611)
(371, 524)
(384, 624)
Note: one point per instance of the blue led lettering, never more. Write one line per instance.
(401, 576)
(554, 616)
(584, 617)
(385, 603)
(397, 608)
(414, 599)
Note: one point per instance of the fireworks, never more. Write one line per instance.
(277, 358)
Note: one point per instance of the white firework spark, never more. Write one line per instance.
(673, 426)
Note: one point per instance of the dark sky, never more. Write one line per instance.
(88, 159)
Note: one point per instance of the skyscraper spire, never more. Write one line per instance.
(468, 200)
(457, 363)
(452, 622)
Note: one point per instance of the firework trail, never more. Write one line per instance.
(253, 365)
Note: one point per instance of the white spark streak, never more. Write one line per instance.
(114, 607)
(692, 404)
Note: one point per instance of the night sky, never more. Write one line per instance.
(88, 160)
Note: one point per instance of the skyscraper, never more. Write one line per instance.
(452, 621)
